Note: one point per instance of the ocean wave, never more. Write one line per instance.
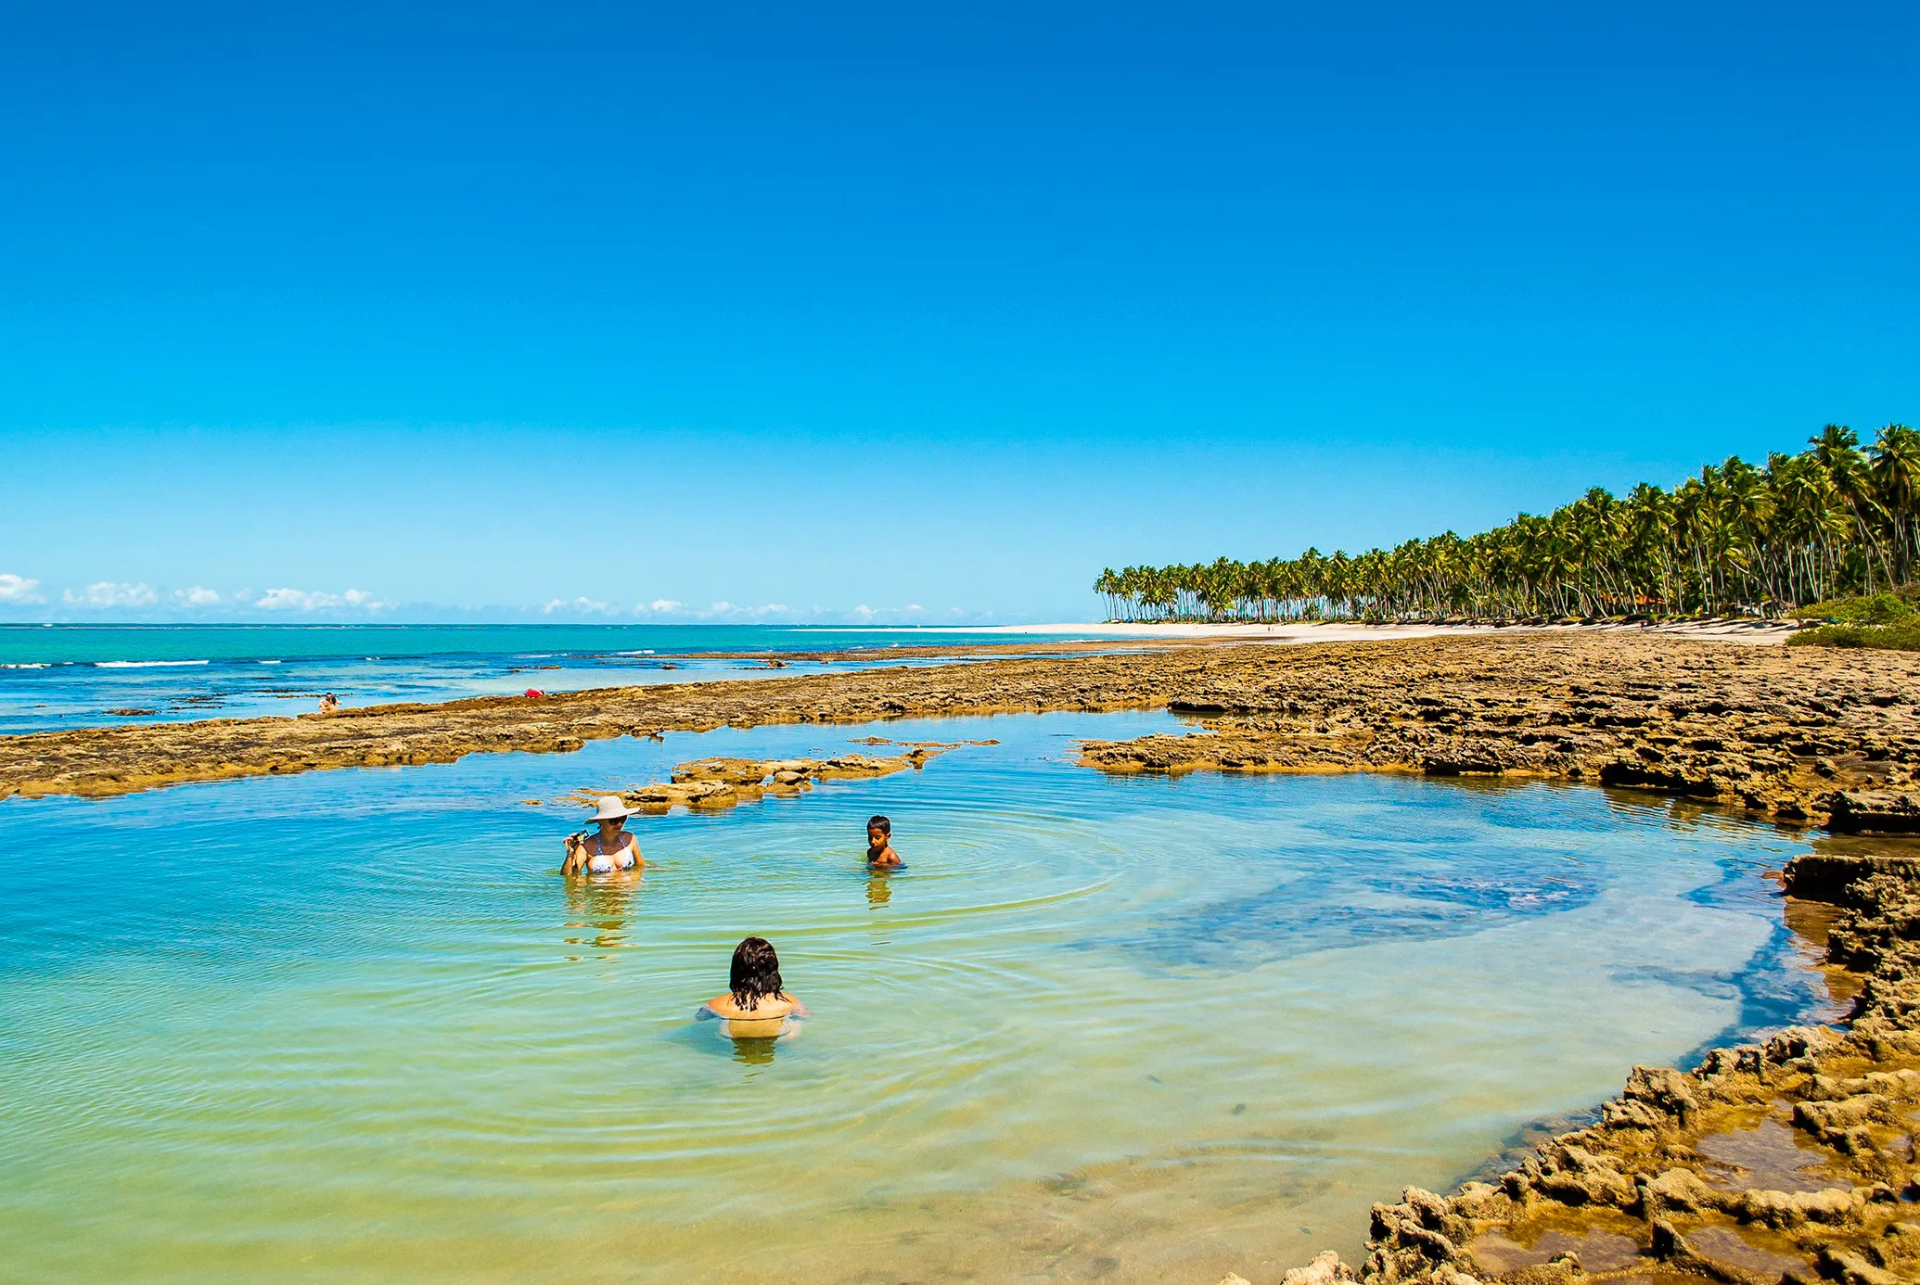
(268, 662)
(25, 664)
(144, 664)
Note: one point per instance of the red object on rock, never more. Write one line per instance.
(534, 693)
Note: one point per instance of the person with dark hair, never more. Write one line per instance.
(880, 853)
(756, 1005)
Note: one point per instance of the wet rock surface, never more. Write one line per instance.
(715, 783)
(1754, 730)
(1874, 812)
(1790, 1161)
(1777, 731)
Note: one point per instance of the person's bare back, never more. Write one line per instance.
(770, 1008)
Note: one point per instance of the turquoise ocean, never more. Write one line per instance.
(59, 676)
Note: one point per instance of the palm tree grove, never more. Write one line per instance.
(1831, 521)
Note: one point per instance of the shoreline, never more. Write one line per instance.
(1312, 631)
(1789, 734)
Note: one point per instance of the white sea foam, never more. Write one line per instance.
(25, 665)
(269, 662)
(144, 664)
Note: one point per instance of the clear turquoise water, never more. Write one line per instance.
(86, 675)
(352, 1026)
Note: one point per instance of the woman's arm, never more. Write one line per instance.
(576, 855)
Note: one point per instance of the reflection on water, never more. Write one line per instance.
(601, 904)
(1131, 1028)
(754, 1052)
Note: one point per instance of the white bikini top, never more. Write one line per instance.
(622, 858)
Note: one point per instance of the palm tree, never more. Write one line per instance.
(1895, 474)
(1735, 539)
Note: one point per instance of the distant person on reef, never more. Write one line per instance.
(756, 1005)
(610, 850)
(329, 703)
(880, 853)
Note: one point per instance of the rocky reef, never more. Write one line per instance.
(1781, 731)
(1786, 1162)
(712, 784)
(1746, 729)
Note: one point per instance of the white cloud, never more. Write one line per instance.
(305, 600)
(863, 611)
(198, 596)
(19, 589)
(584, 606)
(106, 594)
(659, 605)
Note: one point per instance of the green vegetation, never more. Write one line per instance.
(1737, 540)
(1887, 620)
(1880, 609)
(1903, 636)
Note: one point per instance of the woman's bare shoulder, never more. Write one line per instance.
(768, 1008)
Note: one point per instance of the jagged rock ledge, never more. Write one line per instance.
(1781, 1163)
(1753, 732)
(1777, 730)
(712, 784)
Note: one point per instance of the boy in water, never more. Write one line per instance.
(880, 853)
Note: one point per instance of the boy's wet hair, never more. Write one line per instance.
(881, 824)
(756, 972)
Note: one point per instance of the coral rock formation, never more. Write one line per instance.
(715, 783)
(1781, 731)
(1749, 729)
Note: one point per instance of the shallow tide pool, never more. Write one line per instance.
(353, 1026)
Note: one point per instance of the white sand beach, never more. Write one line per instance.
(1766, 632)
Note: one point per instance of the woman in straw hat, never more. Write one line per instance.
(610, 850)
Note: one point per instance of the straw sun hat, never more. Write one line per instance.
(611, 806)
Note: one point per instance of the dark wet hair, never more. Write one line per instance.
(882, 824)
(756, 972)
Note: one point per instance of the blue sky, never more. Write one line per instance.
(910, 312)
